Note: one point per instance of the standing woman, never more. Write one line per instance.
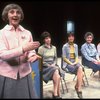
(50, 70)
(90, 54)
(16, 53)
(71, 62)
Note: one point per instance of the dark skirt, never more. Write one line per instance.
(73, 68)
(90, 64)
(48, 73)
(17, 89)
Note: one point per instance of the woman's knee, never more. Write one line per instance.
(80, 70)
(56, 74)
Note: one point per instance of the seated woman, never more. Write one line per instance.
(70, 62)
(50, 70)
(98, 49)
(90, 54)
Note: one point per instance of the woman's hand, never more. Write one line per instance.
(34, 58)
(52, 65)
(30, 46)
(96, 62)
(73, 63)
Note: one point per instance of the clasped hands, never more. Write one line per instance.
(73, 63)
(28, 46)
(96, 61)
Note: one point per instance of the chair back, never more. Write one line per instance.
(62, 67)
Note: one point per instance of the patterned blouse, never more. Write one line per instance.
(89, 51)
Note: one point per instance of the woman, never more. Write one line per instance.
(16, 53)
(71, 63)
(50, 69)
(98, 49)
(90, 54)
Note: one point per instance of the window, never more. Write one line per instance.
(70, 27)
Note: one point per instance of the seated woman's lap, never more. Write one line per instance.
(73, 68)
(92, 65)
(48, 73)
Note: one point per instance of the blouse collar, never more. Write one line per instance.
(11, 27)
(47, 47)
(71, 43)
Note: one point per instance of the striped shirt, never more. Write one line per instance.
(49, 54)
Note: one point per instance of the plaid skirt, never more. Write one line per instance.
(17, 89)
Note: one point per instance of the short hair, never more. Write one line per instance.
(70, 34)
(9, 7)
(88, 34)
(44, 35)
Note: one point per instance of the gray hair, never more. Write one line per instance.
(9, 7)
(88, 34)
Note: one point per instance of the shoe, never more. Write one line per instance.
(56, 97)
(59, 97)
(79, 93)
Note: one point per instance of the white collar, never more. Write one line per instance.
(10, 27)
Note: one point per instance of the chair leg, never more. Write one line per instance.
(99, 74)
(92, 73)
(85, 77)
(65, 85)
(62, 86)
(74, 77)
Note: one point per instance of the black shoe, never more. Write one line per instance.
(60, 97)
(56, 97)
(80, 94)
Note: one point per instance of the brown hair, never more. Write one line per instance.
(44, 35)
(70, 34)
(9, 7)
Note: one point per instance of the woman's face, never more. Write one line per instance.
(14, 17)
(47, 40)
(89, 39)
(71, 38)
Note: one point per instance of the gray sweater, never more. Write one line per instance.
(49, 55)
